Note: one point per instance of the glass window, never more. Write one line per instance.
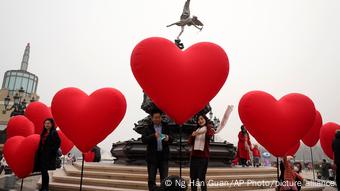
(11, 83)
(18, 83)
(30, 86)
(5, 82)
(24, 83)
(35, 87)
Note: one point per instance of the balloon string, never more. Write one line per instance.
(81, 174)
(22, 184)
(277, 169)
(180, 152)
(311, 154)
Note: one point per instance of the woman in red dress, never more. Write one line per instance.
(243, 147)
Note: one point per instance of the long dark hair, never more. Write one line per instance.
(207, 121)
(244, 130)
(51, 120)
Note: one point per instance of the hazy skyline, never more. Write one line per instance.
(276, 46)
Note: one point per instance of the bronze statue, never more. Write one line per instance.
(186, 20)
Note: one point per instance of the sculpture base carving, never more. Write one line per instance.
(132, 152)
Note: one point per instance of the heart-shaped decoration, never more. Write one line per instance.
(277, 125)
(88, 119)
(292, 151)
(19, 126)
(327, 135)
(180, 83)
(312, 136)
(66, 144)
(20, 153)
(38, 112)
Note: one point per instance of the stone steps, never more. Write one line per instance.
(175, 170)
(112, 177)
(73, 171)
(61, 178)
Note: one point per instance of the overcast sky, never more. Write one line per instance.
(273, 45)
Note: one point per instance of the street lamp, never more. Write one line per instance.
(7, 99)
(32, 99)
(19, 104)
(16, 98)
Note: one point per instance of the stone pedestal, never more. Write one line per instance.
(132, 152)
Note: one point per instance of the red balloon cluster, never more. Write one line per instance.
(278, 125)
(23, 138)
(327, 134)
(87, 119)
(180, 83)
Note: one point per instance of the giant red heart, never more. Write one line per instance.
(88, 119)
(20, 153)
(277, 125)
(19, 126)
(327, 135)
(292, 151)
(180, 83)
(66, 144)
(38, 112)
(312, 136)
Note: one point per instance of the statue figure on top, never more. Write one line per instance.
(186, 20)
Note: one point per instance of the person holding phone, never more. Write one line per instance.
(156, 137)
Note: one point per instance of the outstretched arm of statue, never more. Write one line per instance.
(225, 118)
(171, 24)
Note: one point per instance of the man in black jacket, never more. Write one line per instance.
(336, 150)
(157, 138)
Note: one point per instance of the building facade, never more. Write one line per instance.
(19, 87)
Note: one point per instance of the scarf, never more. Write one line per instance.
(200, 138)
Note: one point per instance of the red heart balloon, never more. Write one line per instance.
(292, 151)
(38, 112)
(87, 120)
(66, 144)
(89, 156)
(19, 126)
(20, 153)
(327, 134)
(277, 125)
(180, 83)
(312, 136)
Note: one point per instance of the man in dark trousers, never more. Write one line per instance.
(336, 150)
(156, 137)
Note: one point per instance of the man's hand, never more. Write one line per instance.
(166, 137)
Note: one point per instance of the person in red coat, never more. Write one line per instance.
(256, 156)
(243, 147)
